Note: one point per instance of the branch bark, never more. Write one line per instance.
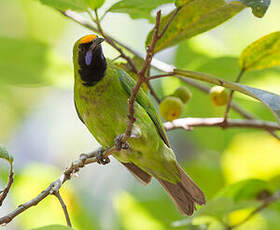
(54, 187)
(191, 122)
(264, 205)
(64, 208)
(4, 193)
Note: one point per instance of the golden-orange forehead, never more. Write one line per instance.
(88, 38)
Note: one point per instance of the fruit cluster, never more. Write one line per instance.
(171, 107)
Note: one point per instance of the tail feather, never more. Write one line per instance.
(188, 184)
(185, 193)
(141, 175)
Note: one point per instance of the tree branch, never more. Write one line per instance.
(234, 106)
(190, 122)
(63, 205)
(54, 187)
(153, 93)
(85, 159)
(112, 43)
(264, 205)
(141, 78)
(169, 22)
(4, 193)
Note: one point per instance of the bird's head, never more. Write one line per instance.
(89, 61)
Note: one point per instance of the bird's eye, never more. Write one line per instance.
(88, 57)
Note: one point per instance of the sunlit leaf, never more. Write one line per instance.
(259, 7)
(138, 8)
(261, 54)
(53, 227)
(77, 5)
(270, 100)
(4, 154)
(222, 206)
(182, 2)
(194, 18)
(95, 4)
(249, 189)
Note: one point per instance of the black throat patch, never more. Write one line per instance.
(92, 64)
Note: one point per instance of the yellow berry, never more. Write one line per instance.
(219, 95)
(183, 93)
(171, 108)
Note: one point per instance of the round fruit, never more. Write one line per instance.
(219, 95)
(183, 93)
(171, 108)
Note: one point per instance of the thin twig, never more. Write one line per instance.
(141, 78)
(160, 76)
(169, 22)
(191, 122)
(56, 185)
(112, 43)
(264, 205)
(231, 95)
(6, 190)
(64, 207)
(229, 105)
(152, 92)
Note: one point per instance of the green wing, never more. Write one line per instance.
(142, 99)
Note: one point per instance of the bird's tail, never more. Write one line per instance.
(185, 193)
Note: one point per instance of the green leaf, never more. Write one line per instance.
(243, 194)
(249, 189)
(138, 8)
(77, 5)
(4, 154)
(261, 54)
(259, 7)
(182, 2)
(270, 100)
(53, 227)
(194, 18)
(95, 4)
(222, 206)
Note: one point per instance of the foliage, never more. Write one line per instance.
(236, 168)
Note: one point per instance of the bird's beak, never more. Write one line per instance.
(96, 42)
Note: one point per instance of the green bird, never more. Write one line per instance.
(101, 94)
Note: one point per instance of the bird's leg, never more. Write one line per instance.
(120, 144)
(100, 157)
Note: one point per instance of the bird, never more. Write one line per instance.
(101, 94)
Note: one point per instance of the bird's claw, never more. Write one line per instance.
(120, 144)
(101, 159)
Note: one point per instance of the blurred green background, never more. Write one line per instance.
(39, 125)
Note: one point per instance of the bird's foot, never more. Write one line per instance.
(120, 144)
(100, 157)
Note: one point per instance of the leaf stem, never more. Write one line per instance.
(231, 95)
